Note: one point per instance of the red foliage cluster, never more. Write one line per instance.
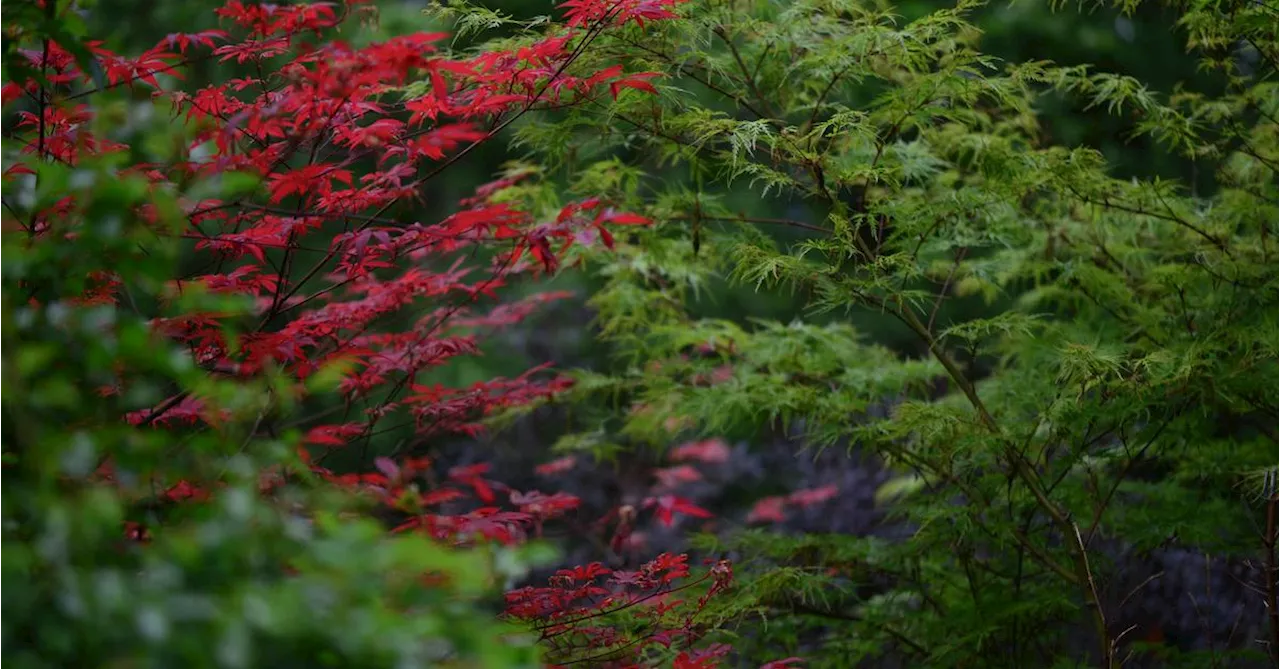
(563, 612)
(328, 261)
(774, 509)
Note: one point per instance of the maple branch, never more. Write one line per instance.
(628, 604)
(138, 77)
(747, 78)
(937, 304)
(286, 263)
(42, 107)
(791, 223)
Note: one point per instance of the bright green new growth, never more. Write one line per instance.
(1119, 390)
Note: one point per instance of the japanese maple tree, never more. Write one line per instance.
(1076, 402)
(202, 309)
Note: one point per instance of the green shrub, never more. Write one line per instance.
(1108, 371)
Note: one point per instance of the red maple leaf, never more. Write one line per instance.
(768, 510)
(813, 496)
(711, 451)
(669, 505)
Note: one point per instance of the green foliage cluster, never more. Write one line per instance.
(1115, 386)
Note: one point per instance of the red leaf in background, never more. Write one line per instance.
(415, 465)
(333, 435)
(669, 505)
(388, 468)
(671, 477)
(558, 466)
(464, 472)
(503, 526)
(10, 92)
(184, 490)
(768, 510)
(470, 475)
(441, 496)
(710, 451)
(813, 496)
(623, 219)
(539, 505)
(134, 531)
